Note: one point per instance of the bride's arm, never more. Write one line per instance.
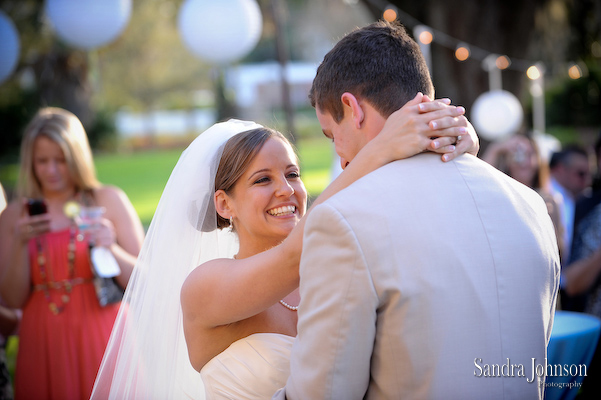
(224, 291)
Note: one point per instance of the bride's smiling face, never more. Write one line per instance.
(269, 198)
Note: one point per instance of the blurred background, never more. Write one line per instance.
(147, 76)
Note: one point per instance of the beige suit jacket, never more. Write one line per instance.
(426, 280)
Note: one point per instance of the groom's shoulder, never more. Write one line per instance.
(421, 168)
(391, 177)
(421, 175)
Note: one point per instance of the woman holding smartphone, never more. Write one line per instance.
(45, 266)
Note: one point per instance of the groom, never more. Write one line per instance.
(422, 279)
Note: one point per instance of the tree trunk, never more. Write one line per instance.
(62, 78)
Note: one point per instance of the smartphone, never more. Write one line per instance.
(36, 206)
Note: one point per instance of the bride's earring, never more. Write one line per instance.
(232, 222)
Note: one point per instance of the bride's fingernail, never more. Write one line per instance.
(445, 157)
(460, 109)
(434, 124)
(436, 144)
(421, 107)
(462, 129)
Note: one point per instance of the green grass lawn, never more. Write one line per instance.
(144, 175)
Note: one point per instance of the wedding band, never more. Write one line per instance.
(458, 139)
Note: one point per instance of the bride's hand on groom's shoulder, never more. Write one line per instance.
(468, 144)
(426, 125)
(453, 133)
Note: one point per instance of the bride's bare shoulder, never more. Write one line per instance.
(202, 282)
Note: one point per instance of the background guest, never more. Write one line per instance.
(45, 266)
(520, 158)
(581, 278)
(570, 175)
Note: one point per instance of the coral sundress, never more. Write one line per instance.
(59, 353)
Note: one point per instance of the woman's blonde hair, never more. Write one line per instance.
(66, 130)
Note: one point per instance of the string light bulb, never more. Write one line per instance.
(533, 72)
(426, 37)
(536, 73)
(390, 14)
(423, 34)
(502, 62)
(575, 72)
(462, 52)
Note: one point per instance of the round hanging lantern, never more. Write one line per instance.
(87, 24)
(497, 114)
(220, 31)
(9, 47)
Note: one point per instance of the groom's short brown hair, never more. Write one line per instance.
(379, 63)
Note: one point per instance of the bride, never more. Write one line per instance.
(237, 318)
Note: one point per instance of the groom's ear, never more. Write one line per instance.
(352, 108)
(223, 204)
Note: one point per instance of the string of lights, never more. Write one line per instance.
(425, 35)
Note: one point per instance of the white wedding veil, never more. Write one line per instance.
(146, 356)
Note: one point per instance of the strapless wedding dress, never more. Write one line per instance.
(252, 368)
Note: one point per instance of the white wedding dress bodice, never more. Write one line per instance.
(252, 368)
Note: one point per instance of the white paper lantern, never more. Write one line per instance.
(9, 47)
(220, 31)
(497, 114)
(87, 24)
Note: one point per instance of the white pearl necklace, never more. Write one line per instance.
(288, 306)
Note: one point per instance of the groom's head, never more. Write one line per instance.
(370, 73)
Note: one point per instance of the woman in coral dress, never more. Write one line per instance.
(45, 265)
